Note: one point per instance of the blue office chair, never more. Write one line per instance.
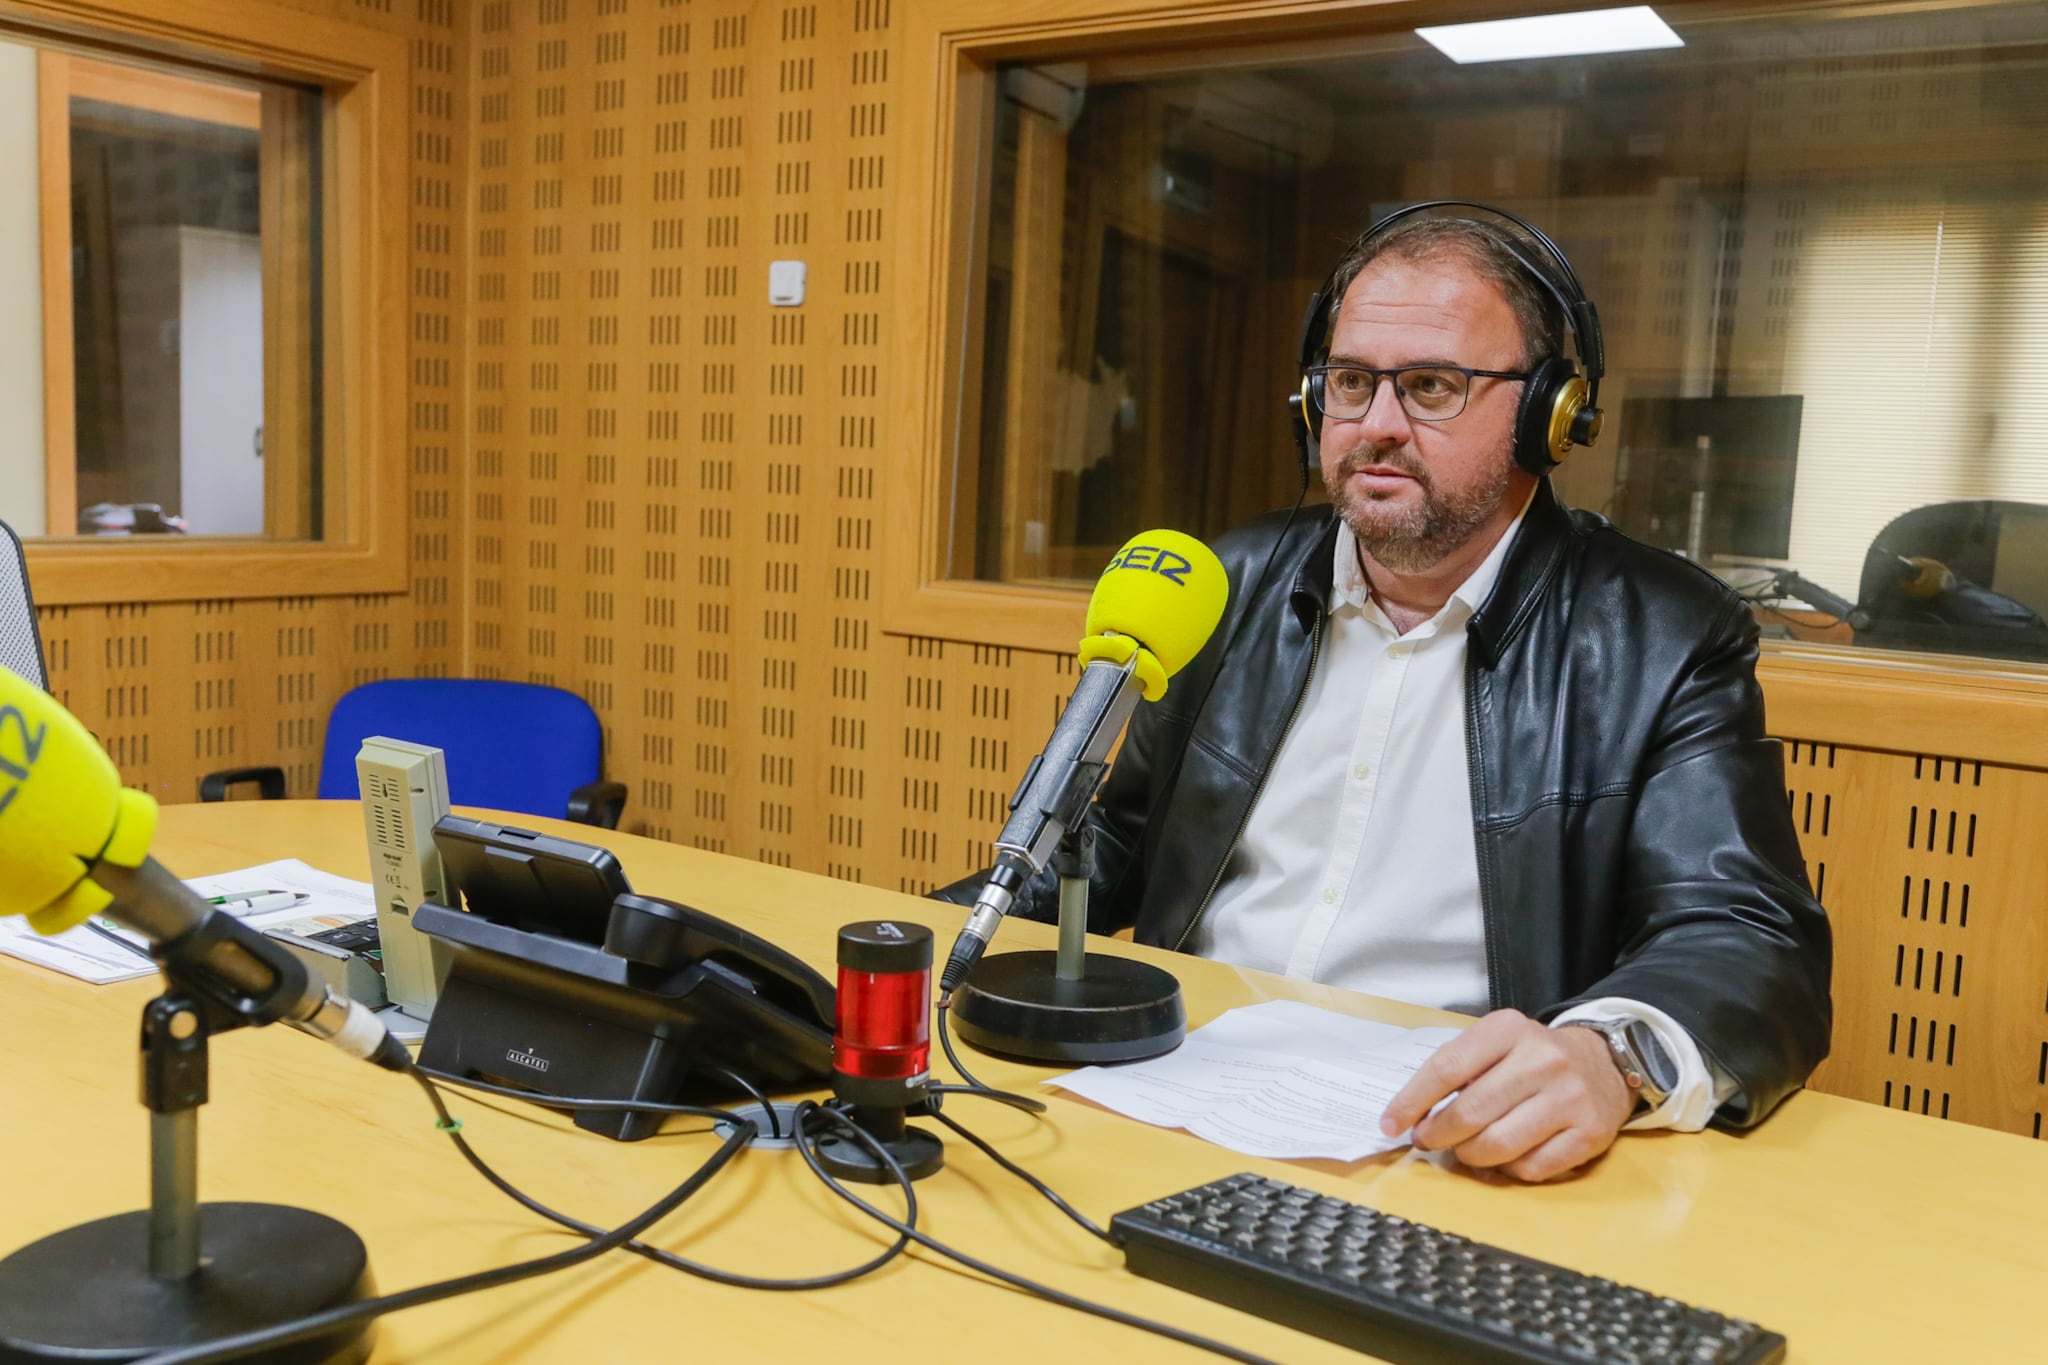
(21, 647)
(509, 746)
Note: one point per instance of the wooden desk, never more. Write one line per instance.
(1861, 1233)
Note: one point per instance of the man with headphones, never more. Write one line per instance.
(1459, 745)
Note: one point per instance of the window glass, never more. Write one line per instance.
(175, 283)
(1818, 242)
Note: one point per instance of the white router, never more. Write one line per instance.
(405, 790)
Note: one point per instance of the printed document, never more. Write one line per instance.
(110, 953)
(1281, 1079)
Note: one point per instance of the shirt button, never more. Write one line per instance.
(1362, 771)
(1329, 895)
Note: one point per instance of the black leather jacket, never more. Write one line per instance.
(1629, 811)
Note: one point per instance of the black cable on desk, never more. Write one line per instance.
(946, 1042)
(974, 1085)
(669, 1258)
(227, 1348)
(754, 1092)
(808, 1109)
(982, 1092)
(1033, 1181)
(656, 1254)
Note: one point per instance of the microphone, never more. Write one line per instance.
(74, 843)
(1153, 609)
(1923, 579)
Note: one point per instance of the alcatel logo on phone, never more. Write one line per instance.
(526, 1059)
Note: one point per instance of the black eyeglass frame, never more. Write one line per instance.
(1314, 380)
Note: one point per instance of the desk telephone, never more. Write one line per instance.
(563, 980)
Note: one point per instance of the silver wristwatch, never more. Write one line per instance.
(1647, 1069)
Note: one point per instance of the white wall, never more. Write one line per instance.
(21, 297)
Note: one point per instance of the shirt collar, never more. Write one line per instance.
(1349, 588)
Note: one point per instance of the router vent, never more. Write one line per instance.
(387, 828)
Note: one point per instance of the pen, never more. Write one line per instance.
(256, 902)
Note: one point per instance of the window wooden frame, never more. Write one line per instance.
(951, 50)
(364, 76)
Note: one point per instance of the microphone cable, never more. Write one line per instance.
(979, 1090)
(1052, 1196)
(314, 1324)
(974, 1086)
(809, 1109)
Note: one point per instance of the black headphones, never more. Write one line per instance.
(1559, 407)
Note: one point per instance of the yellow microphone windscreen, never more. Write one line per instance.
(62, 806)
(1166, 591)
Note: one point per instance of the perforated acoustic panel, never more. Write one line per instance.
(178, 689)
(1931, 870)
(674, 484)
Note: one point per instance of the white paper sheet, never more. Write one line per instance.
(1282, 1080)
(327, 901)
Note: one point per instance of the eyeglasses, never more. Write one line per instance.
(1428, 393)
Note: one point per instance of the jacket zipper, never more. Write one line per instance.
(1315, 651)
(1473, 781)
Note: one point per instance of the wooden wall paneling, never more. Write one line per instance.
(497, 293)
(972, 718)
(916, 770)
(615, 586)
(834, 206)
(727, 678)
(425, 625)
(751, 61)
(674, 483)
(1930, 873)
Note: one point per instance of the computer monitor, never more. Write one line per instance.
(1744, 469)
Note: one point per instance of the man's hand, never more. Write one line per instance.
(1535, 1101)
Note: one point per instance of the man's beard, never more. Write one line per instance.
(1413, 537)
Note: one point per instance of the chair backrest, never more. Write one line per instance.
(509, 746)
(21, 644)
(1998, 552)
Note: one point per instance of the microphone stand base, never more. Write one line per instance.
(1120, 1010)
(916, 1151)
(86, 1293)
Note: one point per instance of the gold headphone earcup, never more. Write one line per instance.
(1564, 414)
(1551, 396)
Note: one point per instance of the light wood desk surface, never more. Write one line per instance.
(1862, 1234)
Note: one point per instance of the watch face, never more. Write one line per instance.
(1658, 1065)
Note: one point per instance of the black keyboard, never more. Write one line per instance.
(1408, 1292)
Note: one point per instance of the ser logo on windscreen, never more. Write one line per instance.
(19, 749)
(1153, 559)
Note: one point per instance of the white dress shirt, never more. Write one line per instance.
(1357, 867)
